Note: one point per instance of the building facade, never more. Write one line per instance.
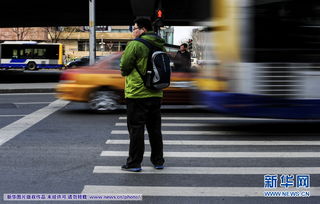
(76, 39)
(108, 39)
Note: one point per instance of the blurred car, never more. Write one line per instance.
(102, 86)
(83, 61)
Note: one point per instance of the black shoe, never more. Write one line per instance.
(132, 169)
(159, 167)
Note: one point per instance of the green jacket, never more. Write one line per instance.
(136, 55)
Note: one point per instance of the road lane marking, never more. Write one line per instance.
(10, 131)
(30, 103)
(223, 142)
(176, 124)
(222, 154)
(12, 115)
(170, 132)
(185, 191)
(214, 118)
(211, 170)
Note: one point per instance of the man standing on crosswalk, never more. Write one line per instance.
(143, 104)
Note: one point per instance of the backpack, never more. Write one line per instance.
(158, 71)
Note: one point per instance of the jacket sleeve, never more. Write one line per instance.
(128, 59)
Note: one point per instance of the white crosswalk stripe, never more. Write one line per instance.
(224, 142)
(199, 191)
(211, 170)
(176, 124)
(169, 132)
(213, 118)
(222, 154)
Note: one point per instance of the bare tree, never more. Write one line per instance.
(55, 33)
(197, 43)
(21, 32)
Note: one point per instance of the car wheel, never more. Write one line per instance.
(103, 100)
(32, 66)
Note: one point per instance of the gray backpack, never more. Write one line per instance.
(158, 71)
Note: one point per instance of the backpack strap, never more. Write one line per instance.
(145, 42)
(151, 47)
(148, 44)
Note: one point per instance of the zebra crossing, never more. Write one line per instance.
(195, 140)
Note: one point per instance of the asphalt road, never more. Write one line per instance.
(52, 146)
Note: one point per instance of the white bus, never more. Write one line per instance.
(31, 55)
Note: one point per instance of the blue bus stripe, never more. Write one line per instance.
(24, 65)
(18, 60)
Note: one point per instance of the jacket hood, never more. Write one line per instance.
(153, 38)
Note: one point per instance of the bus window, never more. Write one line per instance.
(21, 54)
(29, 53)
(15, 54)
(39, 53)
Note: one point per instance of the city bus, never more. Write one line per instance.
(263, 59)
(31, 55)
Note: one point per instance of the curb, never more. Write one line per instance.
(44, 90)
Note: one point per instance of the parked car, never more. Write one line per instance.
(102, 86)
(83, 61)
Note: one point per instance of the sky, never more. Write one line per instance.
(182, 34)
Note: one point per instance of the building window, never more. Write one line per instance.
(83, 45)
(103, 46)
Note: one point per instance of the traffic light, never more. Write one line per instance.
(159, 13)
(159, 18)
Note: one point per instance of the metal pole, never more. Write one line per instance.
(92, 25)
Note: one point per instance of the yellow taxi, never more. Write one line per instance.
(102, 86)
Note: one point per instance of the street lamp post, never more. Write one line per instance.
(92, 25)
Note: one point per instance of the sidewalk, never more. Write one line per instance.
(28, 88)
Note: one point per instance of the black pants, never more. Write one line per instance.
(140, 113)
